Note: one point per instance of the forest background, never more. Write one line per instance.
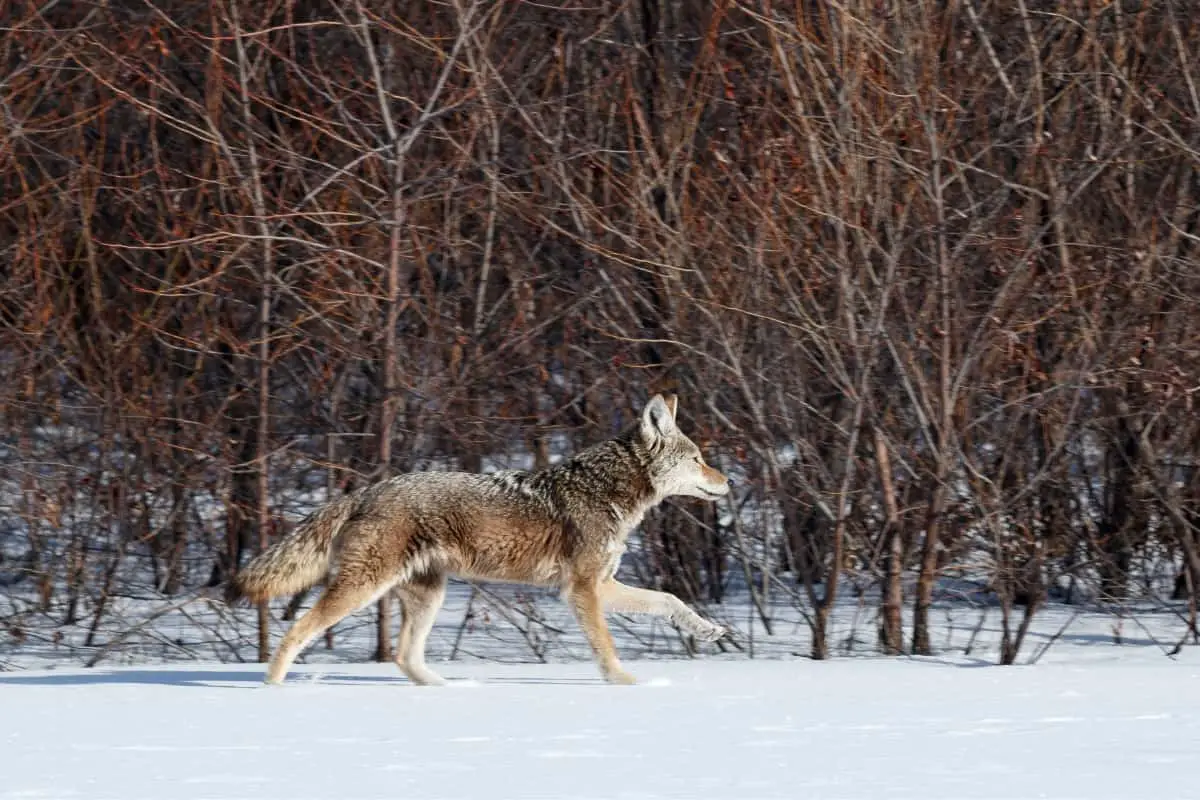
(924, 275)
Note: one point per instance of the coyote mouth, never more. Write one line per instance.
(711, 493)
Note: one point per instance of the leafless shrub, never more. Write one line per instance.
(925, 275)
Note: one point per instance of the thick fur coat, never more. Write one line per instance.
(563, 526)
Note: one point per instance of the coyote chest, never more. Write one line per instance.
(613, 551)
(615, 545)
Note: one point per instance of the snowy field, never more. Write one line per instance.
(1095, 709)
(1105, 722)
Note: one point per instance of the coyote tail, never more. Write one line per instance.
(295, 562)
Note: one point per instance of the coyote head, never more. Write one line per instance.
(676, 466)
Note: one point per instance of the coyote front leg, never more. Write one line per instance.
(620, 598)
(589, 610)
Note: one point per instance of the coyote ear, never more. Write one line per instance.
(657, 419)
(673, 405)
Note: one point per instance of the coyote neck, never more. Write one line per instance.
(606, 482)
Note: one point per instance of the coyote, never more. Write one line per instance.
(564, 526)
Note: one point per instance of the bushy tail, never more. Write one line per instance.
(295, 562)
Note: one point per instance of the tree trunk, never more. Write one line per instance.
(921, 645)
(262, 446)
(820, 626)
(891, 631)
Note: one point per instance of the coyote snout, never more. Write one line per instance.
(708, 482)
(562, 526)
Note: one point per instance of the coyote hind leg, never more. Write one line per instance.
(422, 598)
(339, 601)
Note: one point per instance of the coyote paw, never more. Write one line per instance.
(427, 678)
(422, 676)
(709, 631)
(620, 677)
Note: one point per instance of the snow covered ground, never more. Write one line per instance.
(1096, 709)
(1107, 722)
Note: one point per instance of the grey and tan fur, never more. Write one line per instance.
(564, 526)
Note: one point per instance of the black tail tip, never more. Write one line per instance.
(233, 592)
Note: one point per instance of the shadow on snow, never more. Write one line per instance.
(220, 679)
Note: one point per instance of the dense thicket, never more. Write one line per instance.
(923, 273)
